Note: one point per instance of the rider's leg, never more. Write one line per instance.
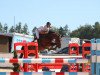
(37, 34)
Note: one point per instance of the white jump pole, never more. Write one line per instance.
(43, 60)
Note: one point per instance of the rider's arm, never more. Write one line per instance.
(46, 29)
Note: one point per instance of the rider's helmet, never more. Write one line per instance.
(48, 24)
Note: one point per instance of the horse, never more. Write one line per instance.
(50, 41)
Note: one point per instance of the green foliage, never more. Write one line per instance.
(54, 29)
(1, 28)
(25, 29)
(5, 28)
(64, 31)
(96, 30)
(87, 31)
(75, 33)
(18, 28)
(12, 29)
(61, 31)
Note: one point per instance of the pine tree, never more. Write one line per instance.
(1, 28)
(5, 28)
(25, 29)
(11, 30)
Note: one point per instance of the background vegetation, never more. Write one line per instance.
(86, 31)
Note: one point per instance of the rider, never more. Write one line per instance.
(43, 30)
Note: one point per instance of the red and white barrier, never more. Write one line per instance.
(44, 73)
(45, 60)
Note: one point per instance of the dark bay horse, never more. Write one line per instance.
(50, 41)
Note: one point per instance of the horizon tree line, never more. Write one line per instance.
(86, 31)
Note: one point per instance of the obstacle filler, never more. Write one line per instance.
(85, 67)
(73, 48)
(27, 49)
(33, 48)
(86, 49)
(85, 52)
(73, 67)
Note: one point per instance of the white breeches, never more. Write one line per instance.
(37, 33)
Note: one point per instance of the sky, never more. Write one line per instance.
(59, 12)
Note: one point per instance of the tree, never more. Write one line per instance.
(83, 32)
(1, 28)
(25, 29)
(74, 33)
(18, 28)
(55, 29)
(11, 30)
(5, 29)
(96, 30)
(66, 31)
(61, 31)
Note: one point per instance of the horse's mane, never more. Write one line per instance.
(46, 40)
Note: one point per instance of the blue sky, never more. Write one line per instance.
(59, 12)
